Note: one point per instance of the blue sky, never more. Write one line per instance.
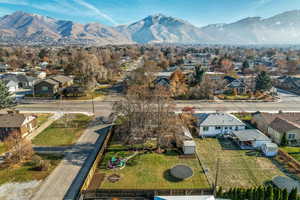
(115, 12)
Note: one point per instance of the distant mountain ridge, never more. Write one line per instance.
(25, 28)
(31, 28)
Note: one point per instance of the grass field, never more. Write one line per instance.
(151, 171)
(292, 151)
(2, 148)
(42, 118)
(237, 168)
(58, 134)
(25, 172)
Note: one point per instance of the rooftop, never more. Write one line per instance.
(282, 125)
(250, 135)
(218, 119)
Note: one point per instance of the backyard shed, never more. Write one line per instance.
(250, 138)
(189, 147)
(269, 149)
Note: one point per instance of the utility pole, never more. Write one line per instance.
(93, 104)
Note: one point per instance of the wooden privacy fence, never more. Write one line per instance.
(139, 193)
(92, 170)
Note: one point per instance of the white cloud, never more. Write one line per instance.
(15, 2)
(96, 11)
(65, 7)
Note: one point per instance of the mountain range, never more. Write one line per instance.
(26, 28)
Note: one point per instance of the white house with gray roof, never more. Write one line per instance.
(213, 124)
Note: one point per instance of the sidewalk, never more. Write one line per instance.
(45, 125)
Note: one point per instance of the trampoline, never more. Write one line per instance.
(181, 172)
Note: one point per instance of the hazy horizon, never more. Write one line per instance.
(116, 12)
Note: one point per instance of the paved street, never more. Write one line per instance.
(289, 103)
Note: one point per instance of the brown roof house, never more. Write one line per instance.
(280, 126)
(14, 121)
(263, 120)
(52, 86)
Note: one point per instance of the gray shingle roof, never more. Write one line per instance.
(250, 135)
(283, 182)
(218, 119)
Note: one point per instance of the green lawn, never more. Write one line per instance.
(25, 172)
(58, 134)
(151, 171)
(2, 148)
(42, 118)
(237, 168)
(292, 151)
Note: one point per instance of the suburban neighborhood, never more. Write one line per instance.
(154, 109)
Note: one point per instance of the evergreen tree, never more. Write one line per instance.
(293, 194)
(245, 66)
(269, 195)
(5, 96)
(261, 193)
(285, 194)
(198, 75)
(263, 82)
(277, 194)
(220, 192)
(284, 141)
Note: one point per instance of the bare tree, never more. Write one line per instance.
(20, 148)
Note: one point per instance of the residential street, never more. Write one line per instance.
(288, 103)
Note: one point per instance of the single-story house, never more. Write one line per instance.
(250, 138)
(52, 85)
(12, 85)
(284, 182)
(214, 124)
(281, 126)
(47, 87)
(238, 85)
(22, 80)
(269, 149)
(14, 121)
(262, 120)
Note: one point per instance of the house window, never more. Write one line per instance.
(218, 127)
(205, 128)
(230, 128)
(236, 128)
(44, 88)
(291, 136)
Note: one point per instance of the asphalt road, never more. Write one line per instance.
(288, 103)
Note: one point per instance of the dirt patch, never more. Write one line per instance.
(114, 178)
(17, 191)
(96, 181)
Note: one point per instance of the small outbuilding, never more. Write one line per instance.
(269, 149)
(189, 147)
